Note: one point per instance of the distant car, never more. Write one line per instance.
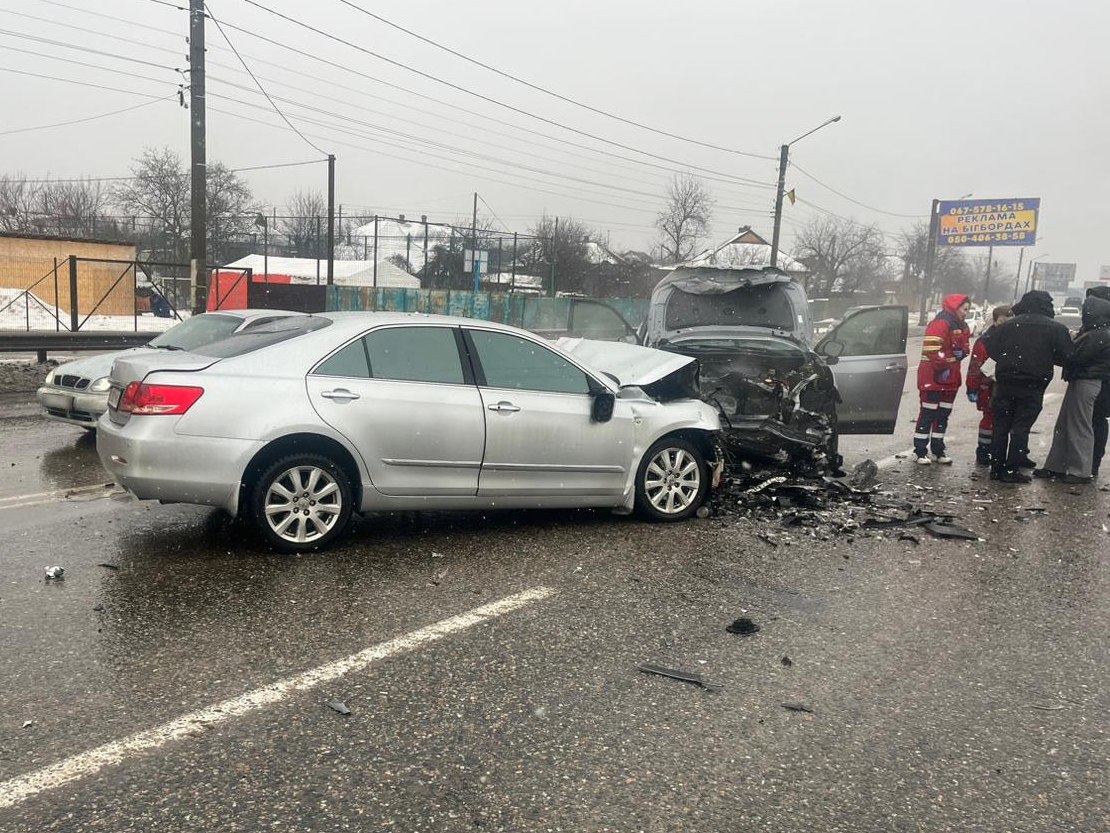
(298, 423)
(974, 321)
(77, 392)
(1070, 317)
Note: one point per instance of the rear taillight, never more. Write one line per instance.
(140, 398)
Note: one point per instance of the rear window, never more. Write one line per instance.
(200, 329)
(274, 332)
(751, 306)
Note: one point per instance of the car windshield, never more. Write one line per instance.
(281, 329)
(198, 330)
(754, 306)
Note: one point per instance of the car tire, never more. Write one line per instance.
(301, 503)
(672, 480)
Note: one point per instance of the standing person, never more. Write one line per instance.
(1101, 416)
(980, 384)
(938, 377)
(1024, 350)
(1071, 458)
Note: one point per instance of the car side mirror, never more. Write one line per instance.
(832, 350)
(602, 408)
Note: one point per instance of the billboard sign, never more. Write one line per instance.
(1053, 277)
(1010, 222)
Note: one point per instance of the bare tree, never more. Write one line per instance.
(69, 208)
(842, 255)
(19, 200)
(685, 220)
(300, 226)
(559, 247)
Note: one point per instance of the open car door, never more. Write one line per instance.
(867, 355)
(595, 320)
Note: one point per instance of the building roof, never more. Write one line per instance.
(745, 249)
(346, 272)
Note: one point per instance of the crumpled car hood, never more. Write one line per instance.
(660, 374)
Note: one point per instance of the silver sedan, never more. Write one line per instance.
(77, 392)
(298, 423)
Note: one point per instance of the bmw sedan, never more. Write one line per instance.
(296, 424)
(77, 392)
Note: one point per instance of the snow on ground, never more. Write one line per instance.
(17, 312)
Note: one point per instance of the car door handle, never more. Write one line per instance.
(893, 367)
(504, 407)
(340, 395)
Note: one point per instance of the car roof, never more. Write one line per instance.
(356, 322)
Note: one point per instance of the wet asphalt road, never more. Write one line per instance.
(954, 686)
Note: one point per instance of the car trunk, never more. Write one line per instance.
(138, 367)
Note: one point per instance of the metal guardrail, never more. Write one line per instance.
(42, 341)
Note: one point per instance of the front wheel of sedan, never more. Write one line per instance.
(301, 502)
(672, 480)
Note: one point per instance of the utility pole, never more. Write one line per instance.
(987, 288)
(474, 242)
(331, 219)
(554, 254)
(198, 159)
(784, 153)
(930, 258)
(1017, 279)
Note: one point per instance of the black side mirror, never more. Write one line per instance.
(602, 408)
(831, 350)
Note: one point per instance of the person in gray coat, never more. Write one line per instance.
(1071, 458)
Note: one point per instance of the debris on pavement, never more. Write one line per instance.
(787, 662)
(338, 706)
(743, 626)
(55, 573)
(439, 575)
(108, 566)
(27, 724)
(798, 707)
(684, 676)
(1046, 708)
(813, 505)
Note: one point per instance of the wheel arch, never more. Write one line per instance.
(301, 443)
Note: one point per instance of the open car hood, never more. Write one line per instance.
(660, 374)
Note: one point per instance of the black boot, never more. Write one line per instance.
(983, 455)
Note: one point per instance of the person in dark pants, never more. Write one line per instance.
(1071, 458)
(938, 377)
(1101, 415)
(980, 385)
(1025, 349)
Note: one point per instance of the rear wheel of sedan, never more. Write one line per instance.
(672, 480)
(301, 502)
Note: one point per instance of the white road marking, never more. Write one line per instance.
(20, 501)
(19, 789)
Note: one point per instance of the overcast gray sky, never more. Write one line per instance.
(1000, 99)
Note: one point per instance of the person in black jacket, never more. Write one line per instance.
(1071, 458)
(1101, 416)
(1025, 349)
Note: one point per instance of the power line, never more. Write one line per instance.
(49, 180)
(261, 88)
(79, 83)
(851, 200)
(86, 119)
(64, 45)
(477, 95)
(99, 67)
(546, 91)
(109, 17)
(494, 213)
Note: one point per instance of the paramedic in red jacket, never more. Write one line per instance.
(939, 378)
(980, 384)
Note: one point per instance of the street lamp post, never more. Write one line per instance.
(784, 156)
(930, 259)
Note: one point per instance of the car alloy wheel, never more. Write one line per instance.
(302, 502)
(672, 480)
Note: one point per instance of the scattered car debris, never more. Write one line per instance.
(743, 627)
(439, 575)
(27, 724)
(55, 573)
(908, 536)
(684, 676)
(1046, 708)
(813, 505)
(108, 566)
(338, 706)
(787, 662)
(798, 707)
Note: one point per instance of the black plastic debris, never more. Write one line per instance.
(947, 530)
(787, 662)
(55, 573)
(909, 536)
(108, 566)
(798, 707)
(864, 476)
(338, 706)
(674, 674)
(743, 626)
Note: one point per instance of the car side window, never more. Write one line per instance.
(415, 354)
(508, 361)
(874, 332)
(350, 362)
